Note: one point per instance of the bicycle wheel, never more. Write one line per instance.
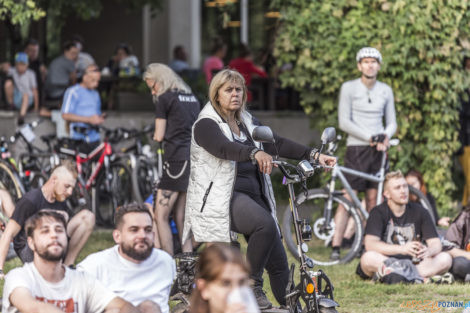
(143, 177)
(112, 191)
(423, 200)
(10, 181)
(311, 208)
(80, 198)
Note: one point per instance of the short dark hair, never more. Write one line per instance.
(68, 45)
(129, 208)
(33, 221)
(31, 42)
(124, 46)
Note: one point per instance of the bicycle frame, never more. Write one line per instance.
(106, 150)
(338, 171)
(310, 288)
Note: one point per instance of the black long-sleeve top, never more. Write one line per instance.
(248, 180)
(209, 136)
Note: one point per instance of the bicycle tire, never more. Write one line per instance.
(423, 200)
(80, 198)
(311, 207)
(10, 181)
(114, 193)
(143, 178)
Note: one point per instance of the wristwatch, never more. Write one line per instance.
(252, 155)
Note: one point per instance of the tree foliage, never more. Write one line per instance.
(422, 43)
(19, 12)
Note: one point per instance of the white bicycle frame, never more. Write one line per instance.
(338, 171)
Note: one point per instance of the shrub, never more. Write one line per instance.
(422, 44)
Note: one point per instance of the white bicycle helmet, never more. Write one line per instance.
(368, 52)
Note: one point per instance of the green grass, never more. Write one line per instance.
(353, 294)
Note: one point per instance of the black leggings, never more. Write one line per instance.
(460, 267)
(252, 218)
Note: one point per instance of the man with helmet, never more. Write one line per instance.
(365, 104)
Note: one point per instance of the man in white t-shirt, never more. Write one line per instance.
(46, 285)
(134, 269)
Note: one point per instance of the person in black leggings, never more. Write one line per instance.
(222, 140)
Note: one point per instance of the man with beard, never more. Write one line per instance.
(133, 268)
(365, 104)
(50, 196)
(46, 285)
(401, 240)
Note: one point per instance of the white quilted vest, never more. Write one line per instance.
(210, 188)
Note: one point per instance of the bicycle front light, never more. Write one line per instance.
(306, 168)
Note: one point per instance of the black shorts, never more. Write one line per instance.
(175, 176)
(365, 159)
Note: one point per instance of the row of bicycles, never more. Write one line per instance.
(121, 169)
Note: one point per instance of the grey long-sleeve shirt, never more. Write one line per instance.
(362, 111)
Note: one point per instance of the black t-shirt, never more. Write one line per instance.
(180, 111)
(400, 230)
(31, 203)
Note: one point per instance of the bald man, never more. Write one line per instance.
(51, 196)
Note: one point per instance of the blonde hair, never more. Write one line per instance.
(392, 175)
(220, 79)
(166, 78)
(66, 166)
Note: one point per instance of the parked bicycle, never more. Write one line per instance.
(104, 184)
(32, 166)
(317, 208)
(314, 292)
(144, 163)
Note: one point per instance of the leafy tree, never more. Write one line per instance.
(422, 44)
(19, 12)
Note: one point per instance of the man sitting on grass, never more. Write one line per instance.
(133, 268)
(46, 284)
(394, 234)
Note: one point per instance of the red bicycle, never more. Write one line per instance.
(101, 173)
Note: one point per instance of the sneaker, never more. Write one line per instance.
(383, 271)
(445, 279)
(261, 298)
(335, 255)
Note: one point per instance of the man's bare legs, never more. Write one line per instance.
(344, 225)
(371, 261)
(79, 228)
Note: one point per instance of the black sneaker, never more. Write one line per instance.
(335, 255)
(261, 298)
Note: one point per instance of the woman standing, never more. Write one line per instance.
(176, 109)
(230, 188)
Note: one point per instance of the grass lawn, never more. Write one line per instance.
(353, 294)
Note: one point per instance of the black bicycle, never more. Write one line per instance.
(314, 292)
